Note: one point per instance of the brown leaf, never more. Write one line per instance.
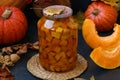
(8, 61)
(14, 58)
(79, 79)
(1, 58)
(22, 49)
(7, 50)
(36, 43)
(33, 46)
(92, 78)
(16, 47)
(5, 74)
(94, 0)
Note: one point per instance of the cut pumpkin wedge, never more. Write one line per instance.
(106, 58)
(92, 38)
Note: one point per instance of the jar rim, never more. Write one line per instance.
(65, 13)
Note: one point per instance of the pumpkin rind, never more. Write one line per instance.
(93, 39)
(106, 58)
(14, 28)
(103, 15)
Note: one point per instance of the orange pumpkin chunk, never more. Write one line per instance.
(106, 58)
(92, 38)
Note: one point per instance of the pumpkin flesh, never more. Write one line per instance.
(93, 39)
(106, 58)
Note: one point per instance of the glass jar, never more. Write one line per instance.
(58, 39)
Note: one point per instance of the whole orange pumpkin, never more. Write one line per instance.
(13, 25)
(103, 15)
(18, 3)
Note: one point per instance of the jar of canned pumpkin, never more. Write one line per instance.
(58, 39)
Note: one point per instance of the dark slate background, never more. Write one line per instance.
(20, 70)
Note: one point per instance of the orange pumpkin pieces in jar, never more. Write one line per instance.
(58, 43)
(58, 48)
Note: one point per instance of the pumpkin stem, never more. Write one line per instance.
(6, 13)
(95, 12)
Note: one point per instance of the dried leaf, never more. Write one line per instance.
(1, 58)
(92, 78)
(80, 17)
(7, 50)
(7, 60)
(79, 79)
(63, 2)
(115, 3)
(14, 58)
(118, 5)
(94, 0)
(110, 2)
(11, 53)
(36, 43)
(5, 74)
(17, 47)
(53, 79)
(34, 46)
(22, 50)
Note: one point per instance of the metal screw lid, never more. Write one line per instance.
(57, 11)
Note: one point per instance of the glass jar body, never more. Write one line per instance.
(58, 40)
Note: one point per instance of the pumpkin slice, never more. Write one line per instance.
(106, 58)
(92, 38)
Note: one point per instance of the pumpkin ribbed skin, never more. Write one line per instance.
(12, 29)
(18, 3)
(103, 15)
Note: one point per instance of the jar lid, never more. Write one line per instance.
(57, 11)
